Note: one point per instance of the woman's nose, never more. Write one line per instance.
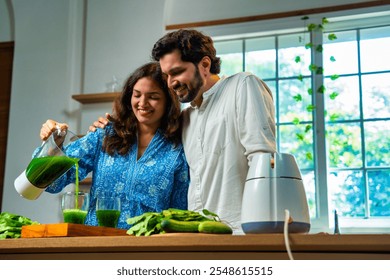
(142, 100)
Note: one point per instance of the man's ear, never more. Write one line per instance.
(205, 63)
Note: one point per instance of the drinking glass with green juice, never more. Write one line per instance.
(75, 207)
(108, 210)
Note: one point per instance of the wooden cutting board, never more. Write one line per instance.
(65, 229)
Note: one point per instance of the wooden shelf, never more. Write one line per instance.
(86, 181)
(89, 98)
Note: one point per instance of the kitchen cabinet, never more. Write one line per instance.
(195, 246)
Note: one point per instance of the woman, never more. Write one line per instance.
(138, 156)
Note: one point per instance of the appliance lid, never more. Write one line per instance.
(278, 165)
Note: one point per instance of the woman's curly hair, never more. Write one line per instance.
(125, 123)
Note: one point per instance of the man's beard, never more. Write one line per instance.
(196, 85)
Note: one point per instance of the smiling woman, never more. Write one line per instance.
(148, 103)
(138, 156)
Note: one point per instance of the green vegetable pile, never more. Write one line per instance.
(176, 220)
(11, 225)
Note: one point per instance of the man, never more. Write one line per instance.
(228, 121)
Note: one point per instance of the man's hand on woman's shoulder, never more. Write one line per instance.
(100, 123)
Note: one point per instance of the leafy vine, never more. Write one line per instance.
(315, 70)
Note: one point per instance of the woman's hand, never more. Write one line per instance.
(49, 127)
(100, 123)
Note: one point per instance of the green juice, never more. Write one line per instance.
(43, 171)
(108, 218)
(77, 185)
(74, 216)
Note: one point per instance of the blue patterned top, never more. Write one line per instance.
(158, 180)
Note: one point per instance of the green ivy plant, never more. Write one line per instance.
(315, 70)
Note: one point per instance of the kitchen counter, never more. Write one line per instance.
(187, 246)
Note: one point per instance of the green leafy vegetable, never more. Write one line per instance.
(150, 223)
(11, 225)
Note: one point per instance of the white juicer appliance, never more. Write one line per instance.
(273, 188)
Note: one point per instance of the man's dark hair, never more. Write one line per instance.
(193, 46)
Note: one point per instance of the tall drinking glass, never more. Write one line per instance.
(108, 210)
(75, 207)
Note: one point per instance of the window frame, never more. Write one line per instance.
(324, 222)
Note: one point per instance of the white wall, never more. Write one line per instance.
(63, 47)
(6, 21)
(40, 89)
(120, 36)
(50, 66)
(206, 10)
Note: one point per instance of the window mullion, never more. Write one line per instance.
(243, 56)
(361, 123)
(319, 141)
(278, 138)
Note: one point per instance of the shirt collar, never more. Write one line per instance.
(207, 95)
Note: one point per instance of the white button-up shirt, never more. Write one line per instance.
(235, 121)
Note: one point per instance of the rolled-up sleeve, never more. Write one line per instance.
(256, 116)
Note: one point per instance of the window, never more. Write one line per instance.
(351, 115)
